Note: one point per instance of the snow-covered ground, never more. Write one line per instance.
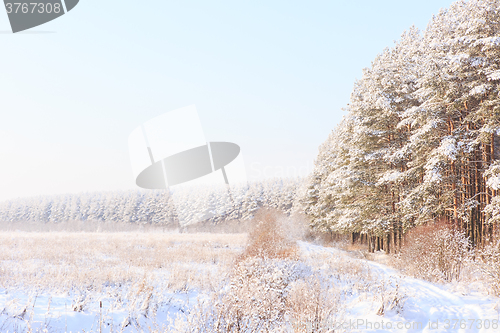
(48, 312)
(423, 306)
(371, 298)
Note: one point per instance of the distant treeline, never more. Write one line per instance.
(157, 207)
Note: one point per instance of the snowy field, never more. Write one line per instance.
(169, 282)
(59, 281)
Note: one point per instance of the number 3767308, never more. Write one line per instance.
(32, 7)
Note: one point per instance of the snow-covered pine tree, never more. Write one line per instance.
(419, 142)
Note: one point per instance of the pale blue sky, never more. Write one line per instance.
(271, 76)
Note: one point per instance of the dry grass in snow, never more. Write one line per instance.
(63, 261)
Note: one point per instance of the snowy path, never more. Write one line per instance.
(427, 307)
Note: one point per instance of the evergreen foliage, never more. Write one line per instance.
(420, 140)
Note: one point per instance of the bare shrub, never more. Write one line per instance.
(269, 289)
(313, 304)
(257, 297)
(435, 253)
(489, 264)
(269, 239)
(393, 299)
(254, 297)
